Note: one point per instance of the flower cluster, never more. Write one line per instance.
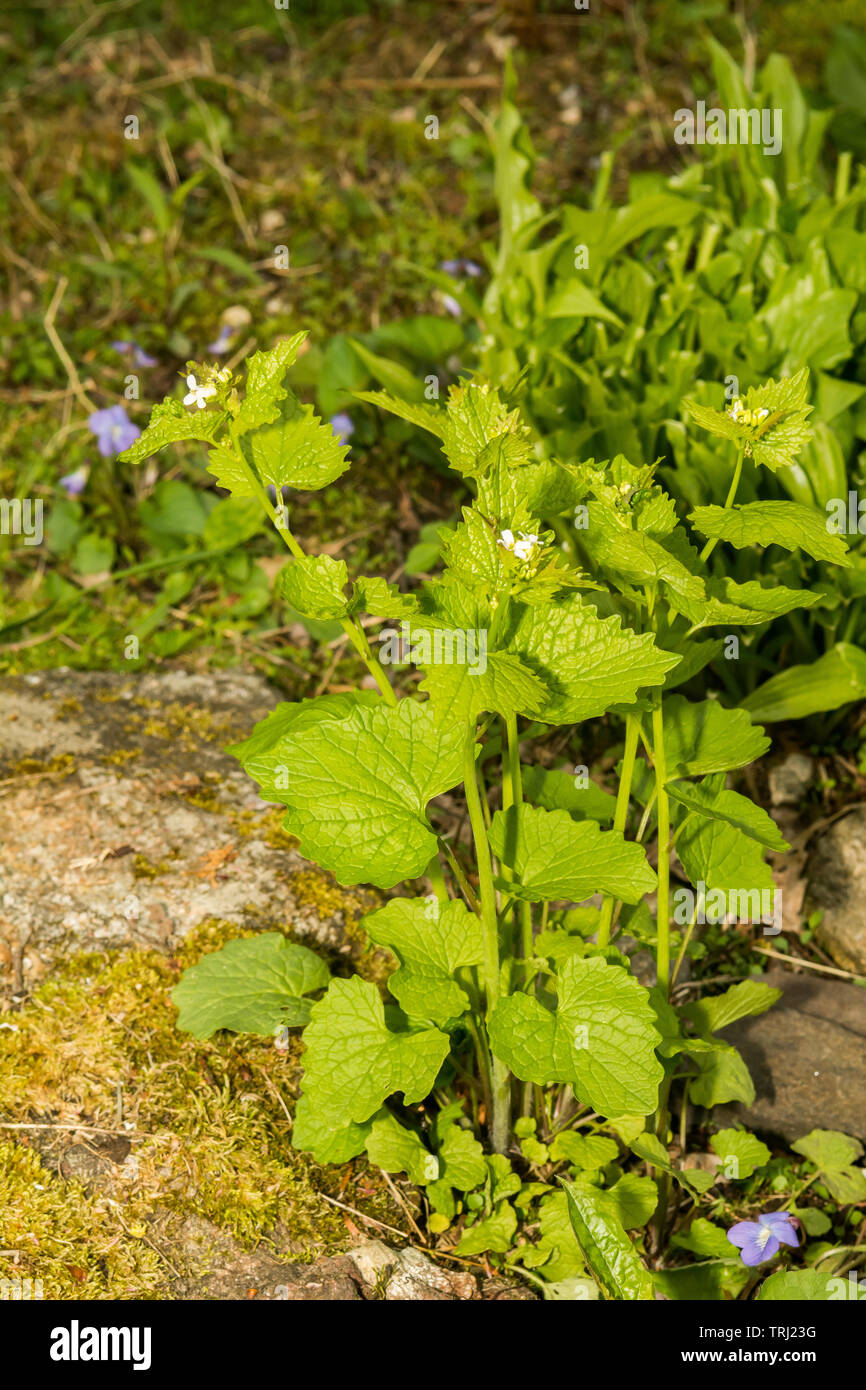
(524, 547)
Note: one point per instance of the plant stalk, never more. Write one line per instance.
(355, 634)
(620, 815)
(663, 949)
(500, 1120)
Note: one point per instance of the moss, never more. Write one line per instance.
(208, 1130)
(121, 756)
(187, 724)
(68, 707)
(63, 763)
(142, 867)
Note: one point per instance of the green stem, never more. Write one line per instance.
(500, 1120)
(437, 879)
(682, 951)
(514, 781)
(620, 814)
(355, 634)
(663, 952)
(732, 492)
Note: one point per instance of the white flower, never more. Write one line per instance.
(762, 414)
(525, 548)
(198, 395)
(522, 549)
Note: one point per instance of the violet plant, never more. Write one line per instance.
(517, 1049)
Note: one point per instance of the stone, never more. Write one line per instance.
(806, 1057)
(409, 1276)
(209, 1264)
(123, 822)
(836, 886)
(790, 779)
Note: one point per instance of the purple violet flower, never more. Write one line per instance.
(142, 358)
(343, 425)
(461, 268)
(450, 305)
(113, 429)
(73, 483)
(759, 1240)
(221, 343)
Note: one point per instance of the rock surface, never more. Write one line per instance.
(806, 1057)
(836, 873)
(408, 1276)
(790, 779)
(123, 821)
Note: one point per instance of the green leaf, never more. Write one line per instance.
(587, 663)
(554, 856)
(835, 1156)
(606, 1247)
(498, 683)
(634, 1199)
(354, 1061)
(252, 985)
(633, 558)
(837, 678)
(314, 585)
(464, 1165)
(741, 1151)
(494, 1233)
(169, 423)
(359, 787)
(426, 417)
(777, 430)
(712, 1282)
(557, 1243)
(798, 1286)
(145, 183)
(747, 605)
(705, 1238)
(475, 416)
(601, 1038)
(260, 755)
(788, 524)
(315, 1132)
(706, 737)
(557, 791)
(744, 1000)
(396, 1149)
(583, 1150)
(433, 941)
(232, 521)
(726, 860)
(381, 599)
(265, 389)
(297, 450)
(722, 805)
(576, 300)
(653, 1151)
(723, 1077)
(404, 384)
(230, 472)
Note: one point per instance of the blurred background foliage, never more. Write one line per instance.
(259, 128)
